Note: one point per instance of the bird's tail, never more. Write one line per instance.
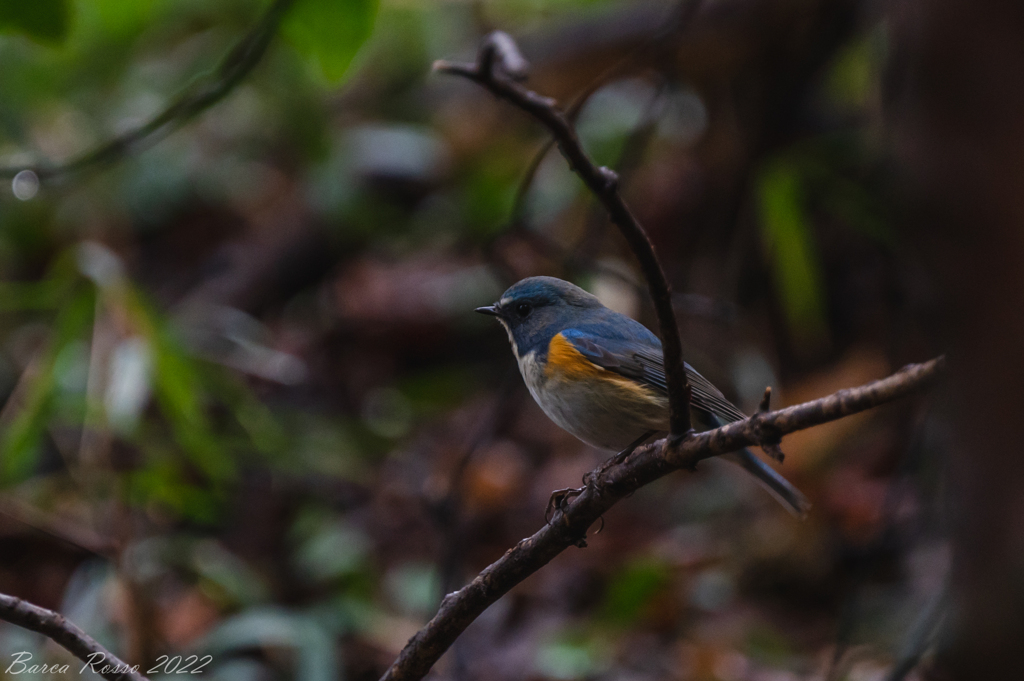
(780, 488)
(790, 497)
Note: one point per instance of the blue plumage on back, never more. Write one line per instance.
(614, 326)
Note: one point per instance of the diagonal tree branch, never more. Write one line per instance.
(607, 486)
(498, 67)
(53, 625)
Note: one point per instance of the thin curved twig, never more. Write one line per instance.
(233, 68)
(626, 164)
(498, 67)
(54, 626)
(608, 486)
(678, 20)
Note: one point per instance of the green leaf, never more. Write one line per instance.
(125, 16)
(44, 20)
(794, 258)
(180, 394)
(21, 439)
(571, 657)
(258, 422)
(179, 390)
(314, 652)
(490, 192)
(20, 296)
(329, 548)
(630, 590)
(160, 483)
(330, 32)
(415, 588)
(229, 577)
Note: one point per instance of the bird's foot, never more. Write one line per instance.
(560, 500)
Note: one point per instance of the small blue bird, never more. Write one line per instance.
(600, 375)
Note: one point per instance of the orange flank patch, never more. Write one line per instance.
(565, 359)
(566, 363)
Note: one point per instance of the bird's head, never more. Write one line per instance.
(535, 309)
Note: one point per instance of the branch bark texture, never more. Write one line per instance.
(498, 67)
(607, 486)
(54, 626)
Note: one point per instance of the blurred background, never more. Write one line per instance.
(247, 411)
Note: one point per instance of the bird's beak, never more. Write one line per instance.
(491, 310)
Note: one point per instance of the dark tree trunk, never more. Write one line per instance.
(957, 111)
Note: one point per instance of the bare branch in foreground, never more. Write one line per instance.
(607, 487)
(499, 64)
(53, 625)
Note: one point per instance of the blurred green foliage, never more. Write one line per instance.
(789, 242)
(45, 20)
(631, 589)
(570, 657)
(84, 66)
(244, 355)
(330, 32)
(21, 439)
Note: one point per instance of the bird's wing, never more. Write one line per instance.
(642, 362)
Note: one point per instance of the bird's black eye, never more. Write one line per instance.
(524, 310)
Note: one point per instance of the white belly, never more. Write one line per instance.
(593, 410)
